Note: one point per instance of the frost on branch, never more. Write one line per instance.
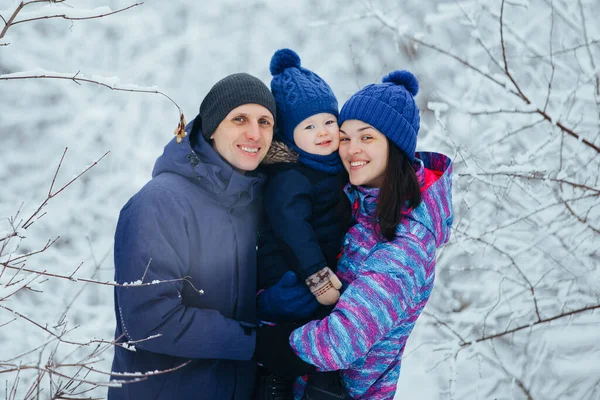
(46, 291)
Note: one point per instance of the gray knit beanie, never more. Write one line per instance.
(229, 93)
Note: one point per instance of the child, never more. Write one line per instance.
(302, 231)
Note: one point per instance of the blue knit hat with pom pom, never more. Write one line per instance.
(299, 93)
(390, 108)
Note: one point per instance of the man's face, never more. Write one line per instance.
(244, 136)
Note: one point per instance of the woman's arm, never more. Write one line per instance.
(373, 304)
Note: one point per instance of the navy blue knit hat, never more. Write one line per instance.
(299, 93)
(390, 108)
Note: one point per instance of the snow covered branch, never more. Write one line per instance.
(508, 86)
(70, 378)
(517, 91)
(110, 83)
(71, 14)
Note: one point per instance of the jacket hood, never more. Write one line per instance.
(435, 211)
(434, 172)
(208, 170)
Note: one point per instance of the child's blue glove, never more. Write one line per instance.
(287, 300)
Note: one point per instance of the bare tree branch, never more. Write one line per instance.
(64, 16)
(528, 326)
(75, 79)
(508, 74)
(51, 195)
(580, 219)
(540, 176)
(8, 23)
(105, 283)
(12, 22)
(489, 77)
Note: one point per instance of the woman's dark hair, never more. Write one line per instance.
(400, 191)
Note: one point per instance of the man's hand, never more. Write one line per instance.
(287, 300)
(274, 352)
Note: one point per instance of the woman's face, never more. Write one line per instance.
(364, 153)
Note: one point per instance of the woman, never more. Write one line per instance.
(402, 211)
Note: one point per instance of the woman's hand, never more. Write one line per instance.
(287, 300)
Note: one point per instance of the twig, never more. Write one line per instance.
(186, 279)
(557, 53)
(7, 24)
(24, 286)
(551, 63)
(500, 111)
(139, 376)
(146, 270)
(64, 16)
(533, 176)
(528, 326)
(75, 79)
(8, 322)
(445, 325)
(48, 244)
(51, 195)
(530, 286)
(580, 219)
(59, 337)
(489, 77)
(508, 74)
(11, 21)
(500, 365)
(144, 374)
(76, 269)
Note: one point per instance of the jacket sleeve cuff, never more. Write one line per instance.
(304, 273)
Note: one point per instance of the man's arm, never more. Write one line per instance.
(151, 241)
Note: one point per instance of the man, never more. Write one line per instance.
(197, 218)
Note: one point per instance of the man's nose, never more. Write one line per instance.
(253, 131)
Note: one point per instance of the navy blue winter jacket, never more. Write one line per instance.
(302, 230)
(196, 218)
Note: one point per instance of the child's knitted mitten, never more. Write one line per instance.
(325, 286)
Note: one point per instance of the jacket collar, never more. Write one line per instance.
(434, 172)
(208, 170)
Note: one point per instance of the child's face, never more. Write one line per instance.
(318, 134)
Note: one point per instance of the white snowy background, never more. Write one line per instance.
(510, 90)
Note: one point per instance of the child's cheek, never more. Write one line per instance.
(336, 136)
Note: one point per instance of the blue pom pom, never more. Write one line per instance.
(403, 78)
(282, 59)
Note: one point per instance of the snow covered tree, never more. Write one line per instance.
(509, 89)
(54, 359)
(517, 100)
